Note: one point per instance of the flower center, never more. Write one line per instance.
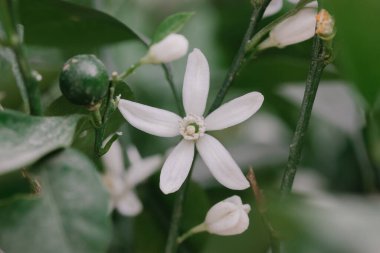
(192, 127)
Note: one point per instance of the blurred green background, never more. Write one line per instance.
(336, 207)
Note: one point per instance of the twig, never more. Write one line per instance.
(262, 207)
(171, 244)
(237, 63)
(15, 43)
(320, 59)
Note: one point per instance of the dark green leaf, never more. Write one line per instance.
(171, 24)
(24, 139)
(68, 215)
(358, 43)
(66, 25)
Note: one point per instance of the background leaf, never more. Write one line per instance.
(69, 214)
(24, 139)
(66, 25)
(171, 24)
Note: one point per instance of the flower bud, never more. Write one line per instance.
(295, 29)
(312, 4)
(228, 217)
(274, 7)
(325, 25)
(171, 48)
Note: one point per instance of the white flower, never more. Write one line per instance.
(295, 29)
(193, 128)
(276, 5)
(121, 183)
(171, 48)
(228, 217)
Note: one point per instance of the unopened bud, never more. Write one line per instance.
(325, 25)
(293, 30)
(171, 48)
(228, 217)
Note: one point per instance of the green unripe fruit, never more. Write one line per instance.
(84, 80)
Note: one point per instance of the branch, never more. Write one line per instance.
(237, 63)
(14, 42)
(320, 59)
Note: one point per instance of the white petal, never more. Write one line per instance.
(113, 160)
(239, 226)
(143, 169)
(234, 112)
(295, 29)
(234, 200)
(133, 154)
(273, 7)
(177, 167)
(196, 83)
(129, 204)
(171, 48)
(221, 164)
(149, 119)
(312, 4)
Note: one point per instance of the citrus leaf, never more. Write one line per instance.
(171, 24)
(25, 139)
(68, 214)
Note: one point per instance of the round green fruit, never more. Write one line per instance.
(84, 80)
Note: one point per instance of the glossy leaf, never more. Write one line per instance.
(67, 25)
(358, 43)
(171, 24)
(68, 214)
(25, 139)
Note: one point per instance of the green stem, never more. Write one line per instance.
(171, 244)
(256, 39)
(14, 42)
(320, 58)
(197, 229)
(237, 63)
(169, 77)
(101, 128)
(129, 71)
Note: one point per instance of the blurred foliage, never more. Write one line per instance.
(335, 150)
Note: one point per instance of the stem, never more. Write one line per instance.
(237, 63)
(129, 71)
(251, 45)
(171, 244)
(14, 42)
(197, 229)
(262, 208)
(101, 121)
(169, 77)
(320, 58)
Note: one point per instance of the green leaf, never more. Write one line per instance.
(68, 214)
(358, 43)
(171, 24)
(66, 25)
(24, 139)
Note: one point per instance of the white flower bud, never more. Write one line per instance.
(171, 48)
(295, 29)
(273, 8)
(228, 217)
